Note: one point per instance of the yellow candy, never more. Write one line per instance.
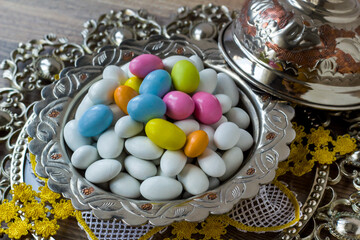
(134, 83)
(165, 134)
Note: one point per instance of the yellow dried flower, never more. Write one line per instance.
(183, 230)
(46, 227)
(22, 192)
(63, 209)
(323, 155)
(299, 130)
(344, 144)
(213, 228)
(46, 195)
(302, 167)
(34, 210)
(319, 136)
(301, 159)
(8, 211)
(18, 228)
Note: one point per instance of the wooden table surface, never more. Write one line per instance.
(23, 20)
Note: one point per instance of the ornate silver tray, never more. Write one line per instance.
(271, 128)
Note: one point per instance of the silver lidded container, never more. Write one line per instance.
(304, 51)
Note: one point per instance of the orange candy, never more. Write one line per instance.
(196, 143)
(122, 95)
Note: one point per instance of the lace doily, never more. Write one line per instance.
(113, 229)
(273, 209)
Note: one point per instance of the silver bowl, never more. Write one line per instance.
(303, 51)
(271, 127)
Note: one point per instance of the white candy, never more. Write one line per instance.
(84, 156)
(239, 117)
(245, 140)
(110, 145)
(169, 62)
(226, 135)
(142, 147)
(233, 159)
(227, 86)
(125, 185)
(161, 173)
(116, 73)
(188, 125)
(225, 102)
(126, 127)
(103, 170)
(222, 120)
(197, 62)
(193, 179)
(85, 104)
(117, 113)
(211, 163)
(73, 138)
(125, 68)
(139, 168)
(213, 182)
(210, 132)
(160, 188)
(102, 92)
(208, 80)
(121, 159)
(172, 162)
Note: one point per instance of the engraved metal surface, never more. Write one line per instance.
(341, 216)
(115, 27)
(30, 67)
(303, 51)
(270, 116)
(37, 63)
(202, 22)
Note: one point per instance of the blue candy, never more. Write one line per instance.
(157, 82)
(145, 107)
(95, 120)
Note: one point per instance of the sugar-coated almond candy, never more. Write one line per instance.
(143, 64)
(122, 95)
(196, 143)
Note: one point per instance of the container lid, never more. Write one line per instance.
(303, 51)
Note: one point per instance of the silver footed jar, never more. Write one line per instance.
(306, 52)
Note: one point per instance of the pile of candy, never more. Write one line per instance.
(153, 128)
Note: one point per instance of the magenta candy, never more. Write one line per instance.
(179, 105)
(144, 64)
(207, 108)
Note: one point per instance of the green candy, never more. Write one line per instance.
(185, 76)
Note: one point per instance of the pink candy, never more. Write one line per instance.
(144, 64)
(207, 108)
(179, 105)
